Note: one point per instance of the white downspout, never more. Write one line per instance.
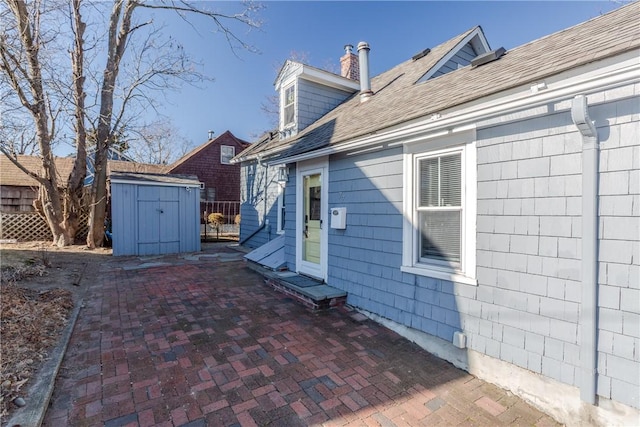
(589, 303)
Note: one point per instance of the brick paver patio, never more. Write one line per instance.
(201, 340)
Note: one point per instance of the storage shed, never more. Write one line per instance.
(154, 214)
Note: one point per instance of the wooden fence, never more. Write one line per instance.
(29, 227)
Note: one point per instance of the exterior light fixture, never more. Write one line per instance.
(283, 175)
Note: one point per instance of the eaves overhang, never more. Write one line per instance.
(585, 81)
(292, 71)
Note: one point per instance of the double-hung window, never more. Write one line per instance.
(439, 230)
(439, 209)
(289, 105)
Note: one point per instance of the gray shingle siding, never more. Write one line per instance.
(365, 259)
(315, 100)
(461, 59)
(525, 309)
(619, 257)
(254, 202)
(522, 214)
(290, 219)
(529, 242)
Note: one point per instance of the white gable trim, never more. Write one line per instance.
(478, 41)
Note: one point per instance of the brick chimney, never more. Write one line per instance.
(349, 64)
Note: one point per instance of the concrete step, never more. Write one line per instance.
(312, 293)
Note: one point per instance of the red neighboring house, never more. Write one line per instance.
(211, 163)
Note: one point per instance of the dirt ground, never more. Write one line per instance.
(40, 286)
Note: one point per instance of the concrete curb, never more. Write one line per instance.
(32, 414)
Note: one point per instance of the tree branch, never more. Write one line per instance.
(182, 7)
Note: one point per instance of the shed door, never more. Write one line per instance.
(158, 220)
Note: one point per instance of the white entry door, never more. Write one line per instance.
(311, 221)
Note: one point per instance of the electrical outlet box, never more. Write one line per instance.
(459, 339)
(339, 218)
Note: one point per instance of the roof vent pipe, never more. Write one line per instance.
(365, 83)
(210, 134)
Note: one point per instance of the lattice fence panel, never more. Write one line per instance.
(24, 227)
(29, 226)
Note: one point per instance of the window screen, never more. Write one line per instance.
(440, 208)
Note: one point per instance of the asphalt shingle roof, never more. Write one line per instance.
(10, 174)
(607, 35)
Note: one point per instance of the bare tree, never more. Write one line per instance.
(22, 65)
(17, 135)
(158, 143)
(32, 47)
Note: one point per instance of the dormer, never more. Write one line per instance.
(469, 48)
(308, 93)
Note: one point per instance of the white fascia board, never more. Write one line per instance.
(329, 79)
(608, 73)
(295, 70)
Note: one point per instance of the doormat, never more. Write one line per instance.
(302, 281)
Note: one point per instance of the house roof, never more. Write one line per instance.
(607, 35)
(10, 174)
(126, 166)
(199, 149)
(267, 138)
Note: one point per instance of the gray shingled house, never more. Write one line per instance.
(485, 204)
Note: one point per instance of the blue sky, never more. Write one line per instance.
(320, 29)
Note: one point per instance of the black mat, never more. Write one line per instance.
(301, 281)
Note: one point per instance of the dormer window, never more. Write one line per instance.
(289, 105)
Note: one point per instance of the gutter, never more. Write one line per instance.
(424, 127)
(589, 302)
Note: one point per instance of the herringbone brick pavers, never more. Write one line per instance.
(195, 343)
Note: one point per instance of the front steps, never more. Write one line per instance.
(314, 294)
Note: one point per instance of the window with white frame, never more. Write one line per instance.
(439, 231)
(227, 152)
(439, 208)
(288, 105)
(281, 209)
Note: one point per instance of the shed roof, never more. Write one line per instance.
(604, 36)
(155, 179)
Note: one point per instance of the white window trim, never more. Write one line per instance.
(279, 229)
(465, 144)
(233, 149)
(283, 97)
